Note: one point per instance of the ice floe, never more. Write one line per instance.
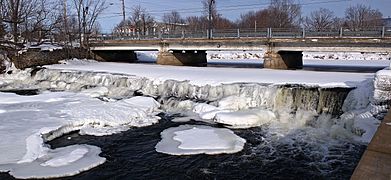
(60, 162)
(197, 139)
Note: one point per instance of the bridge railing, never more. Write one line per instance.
(373, 32)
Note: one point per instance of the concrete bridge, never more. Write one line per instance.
(280, 53)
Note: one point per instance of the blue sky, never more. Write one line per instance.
(229, 8)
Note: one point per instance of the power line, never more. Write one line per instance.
(225, 8)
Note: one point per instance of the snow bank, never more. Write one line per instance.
(346, 56)
(27, 122)
(234, 55)
(195, 139)
(43, 46)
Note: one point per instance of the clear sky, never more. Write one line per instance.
(228, 8)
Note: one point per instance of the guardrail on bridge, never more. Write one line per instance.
(374, 32)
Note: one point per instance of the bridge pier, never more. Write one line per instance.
(283, 60)
(115, 55)
(182, 58)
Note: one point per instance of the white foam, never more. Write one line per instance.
(196, 139)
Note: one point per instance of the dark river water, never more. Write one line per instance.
(132, 155)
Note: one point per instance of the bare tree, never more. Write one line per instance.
(255, 19)
(135, 17)
(197, 23)
(361, 17)
(87, 12)
(123, 28)
(285, 14)
(16, 12)
(2, 25)
(223, 23)
(320, 20)
(172, 20)
(141, 20)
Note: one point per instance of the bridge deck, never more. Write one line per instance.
(285, 44)
(375, 163)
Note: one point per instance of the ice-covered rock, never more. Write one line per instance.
(245, 118)
(382, 85)
(196, 139)
(233, 102)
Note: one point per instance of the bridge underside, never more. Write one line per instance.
(283, 60)
(182, 58)
(115, 55)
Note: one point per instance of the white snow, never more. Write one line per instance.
(346, 56)
(196, 139)
(245, 118)
(215, 76)
(27, 122)
(43, 47)
(350, 63)
(66, 161)
(257, 56)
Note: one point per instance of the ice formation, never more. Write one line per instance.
(250, 98)
(66, 161)
(245, 118)
(196, 139)
(27, 122)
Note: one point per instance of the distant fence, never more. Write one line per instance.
(374, 32)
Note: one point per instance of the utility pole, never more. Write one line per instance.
(255, 26)
(66, 22)
(85, 13)
(210, 27)
(123, 11)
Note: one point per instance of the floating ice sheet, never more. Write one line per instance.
(58, 162)
(197, 139)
